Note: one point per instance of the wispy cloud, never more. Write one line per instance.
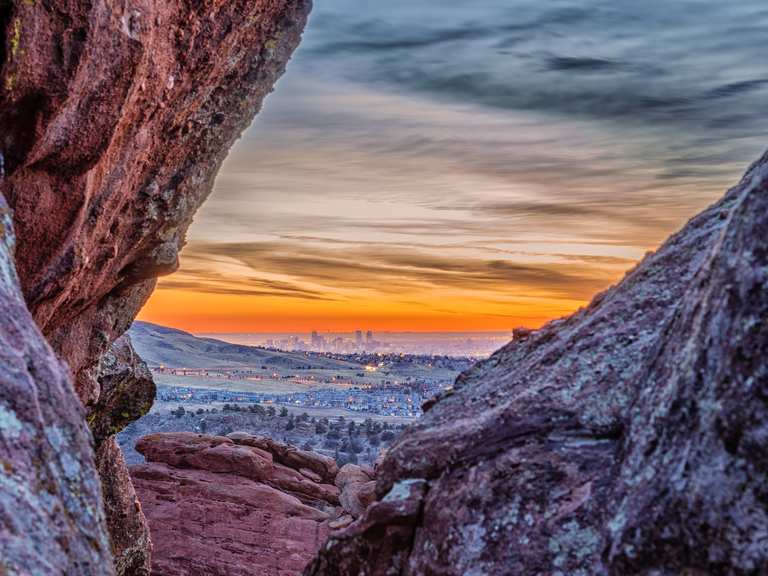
(383, 269)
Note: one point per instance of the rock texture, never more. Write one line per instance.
(237, 505)
(127, 390)
(627, 439)
(115, 118)
(51, 518)
(130, 540)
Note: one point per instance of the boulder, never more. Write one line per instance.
(205, 522)
(289, 455)
(227, 505)
(127, 390)
(628, 438)
(351, 473)
(356, 496)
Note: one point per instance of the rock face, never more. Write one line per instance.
(127, 391)
(51, 518)
(128, 530)
(629, 438)
(115, 119)
(236, 505)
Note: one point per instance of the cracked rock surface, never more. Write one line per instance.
(51, 517)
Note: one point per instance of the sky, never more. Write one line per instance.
(460, 166)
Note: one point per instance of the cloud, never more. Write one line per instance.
(565, 64)
(389, 270)
(737, 88)
(634, 63)
(209, 281)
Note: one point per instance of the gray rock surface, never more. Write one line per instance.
(628, 438)
(51, 518)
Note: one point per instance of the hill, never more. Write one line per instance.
(159, 345)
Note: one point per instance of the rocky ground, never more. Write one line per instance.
(242, 505)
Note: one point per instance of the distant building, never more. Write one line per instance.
(317, 342)
(359, 338)
(369, 337)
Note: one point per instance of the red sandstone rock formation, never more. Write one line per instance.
(114, 119)
(239, 505)
(627, 439)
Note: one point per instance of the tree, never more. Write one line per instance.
(257, 409)
(283, 412)
(271, 411)
(291, 424)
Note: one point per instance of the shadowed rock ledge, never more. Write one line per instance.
(629, 438)
(114, 119)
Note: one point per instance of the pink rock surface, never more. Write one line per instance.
(212, 523)
(226, 506)
(114, 119)
(129, 533)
